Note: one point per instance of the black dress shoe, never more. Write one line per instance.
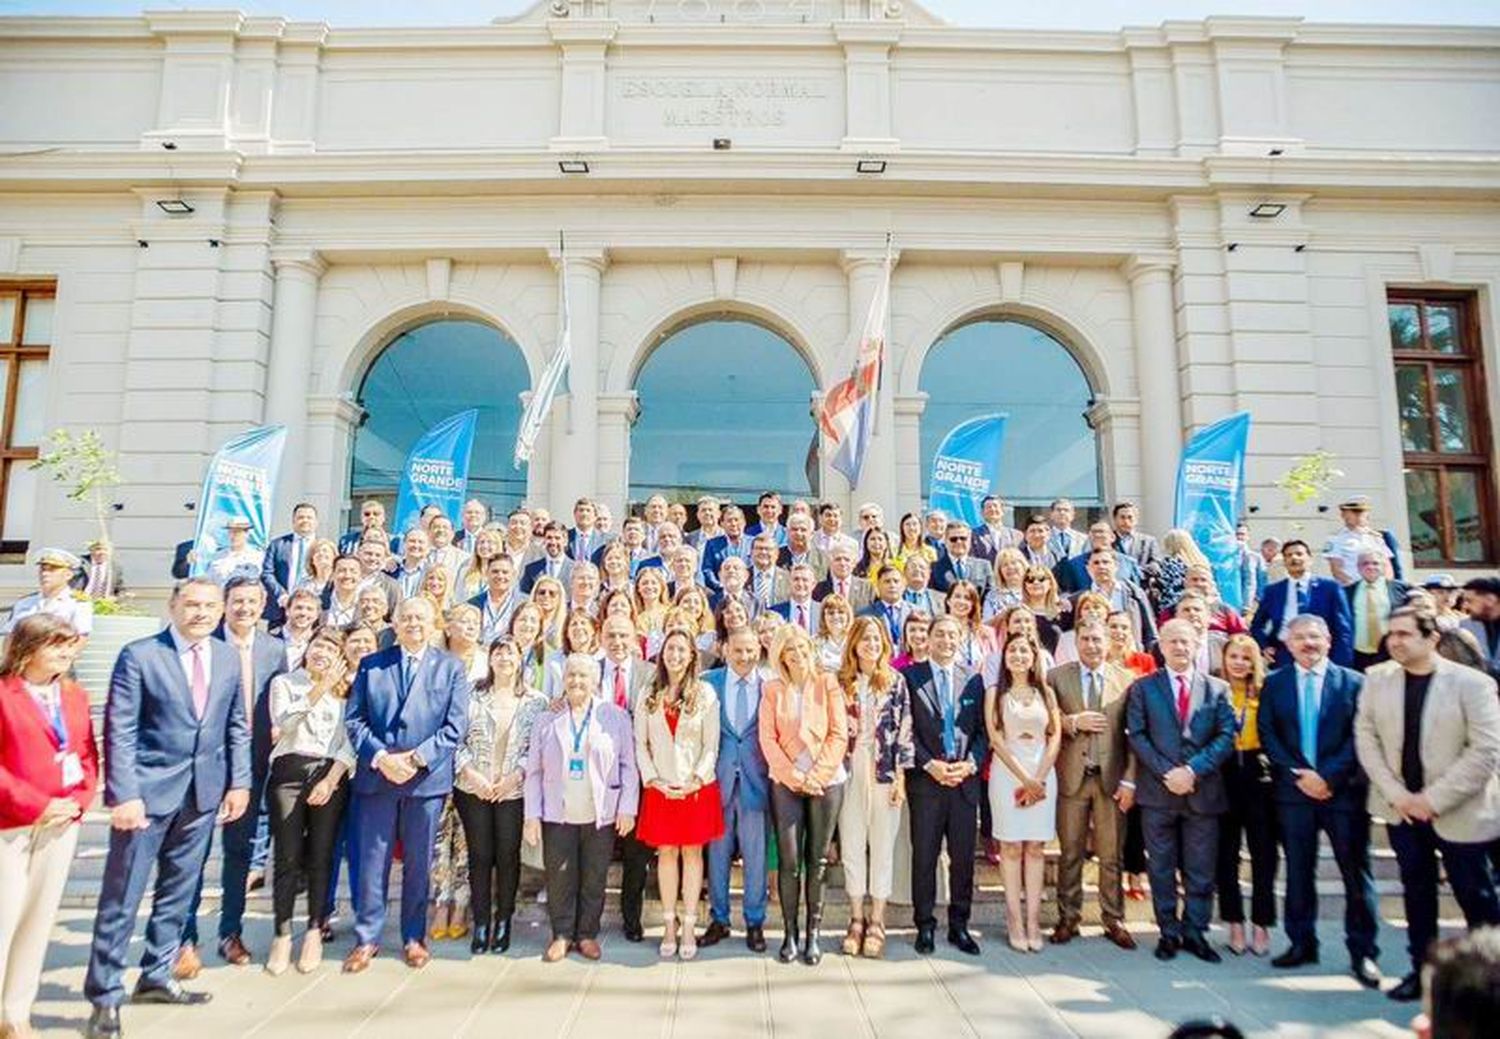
(170, 993)
(500, 936)
(715, 933)
(479, 939)
(1365, 971)
(634, 932)
(791, 949)
(925, 944)
(1166, 948)
(1408, 991)
(104, 1023)
(755, 938)
(1199, 947)
(963, 941)
(1296, 956)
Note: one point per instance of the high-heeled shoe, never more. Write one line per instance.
(1015, 934)
(1034, 943)
(280, 956)
(500, 935)
(480, 942)
(688, 946)
(311, 957)
(668, 947)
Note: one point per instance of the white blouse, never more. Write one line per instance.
(315, 730)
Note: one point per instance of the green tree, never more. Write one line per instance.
(82, 463)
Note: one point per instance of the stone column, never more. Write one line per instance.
(293, 315)
(864, 269)
(617, 414)
(908, 436)
(575, 468)
(1160, 393)
(330, 426)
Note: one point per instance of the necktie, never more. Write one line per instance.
(1372, 621)
(1091, 701)
(802, 616)
(620, 698)
(1308, 723)
(891, 625)
(742, 705)
(945, 697)
(295, 573)
(247, 676)
(1183, 700)
(841, 587)
(407, 665)
(200, 682)
(1301, 597)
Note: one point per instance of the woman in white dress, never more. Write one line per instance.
(1020, 715)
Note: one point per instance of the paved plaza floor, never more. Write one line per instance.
(1088, 988)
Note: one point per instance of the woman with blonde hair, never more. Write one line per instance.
(834, 619)
(488, 543)
(436, 590)
(540, 665)
(614, 569)
(676, 751)
(651, 601)
(1251, 819)
(462, 625)
(551, 598)
(1020, 714)
(803, 735)
(1179, 553)
(1009, 587)
(879, 753)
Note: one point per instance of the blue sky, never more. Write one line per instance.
(1073, 14)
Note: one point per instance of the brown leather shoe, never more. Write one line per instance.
(188, 965)
(589, 949)
(1063, 933)
(359, 958)
(232, 950)
(416, 955)
(556, 950)
(1116, 933)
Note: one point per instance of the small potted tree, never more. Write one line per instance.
(86, 468)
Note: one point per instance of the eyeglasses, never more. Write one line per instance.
(1036, 580)
(958, 540)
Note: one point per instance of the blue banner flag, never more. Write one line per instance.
(965, 468)
(1211, 497)
(437, 471)
(239, 484)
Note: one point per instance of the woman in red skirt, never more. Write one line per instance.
(677, 748)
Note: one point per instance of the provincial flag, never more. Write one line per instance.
(541, 398)
(848, 414)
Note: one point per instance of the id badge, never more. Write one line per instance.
(72, 768)
(575, 768)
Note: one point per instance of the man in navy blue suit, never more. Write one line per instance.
(745, 788)
(957, 564)
(553, 562)
(732, 542)
(408, 709)
(285, 562)
(1181, 727)
(768, 508)
(177, 759)
(1302, 592)
(1306, 725)
(890, 606)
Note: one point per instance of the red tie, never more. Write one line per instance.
(620, 689)
(802, 616)
(1182, 700)
(843, 592)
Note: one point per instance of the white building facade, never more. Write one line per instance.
(1298, 220)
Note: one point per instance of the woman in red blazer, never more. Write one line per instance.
(49, 771)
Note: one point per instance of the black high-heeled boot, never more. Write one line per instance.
(500, 935)
(791, 944)
(812, 953)
(479, 942)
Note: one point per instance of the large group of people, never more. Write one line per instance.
(781, 692)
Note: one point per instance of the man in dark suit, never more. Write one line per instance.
(947, 715)
(1104, 578)
(1302, 592)
(585, 538)
(553, 562)
(1181, 728)
(957, 565)
(992, 535)
(285, 562)
(1141, 547)
(1073, 573)
(1371, 600)
(261, 658)
(177, 758)
(800, 608)
(768, 508)
(799, 547)
(1306, 726)
(733, 542)
(371, 517)
(99, 575)
(182, 564)
(408, 709)
(890, 607)
(1033, 546)
(745, 790)
(841, 579)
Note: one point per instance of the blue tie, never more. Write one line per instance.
(1309, 720)
(890, 623)
(945, 697)
(407, 666)
(1302, 591)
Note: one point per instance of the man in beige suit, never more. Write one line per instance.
(1428, 736)
(1096, 781)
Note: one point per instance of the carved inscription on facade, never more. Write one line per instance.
(724, 103)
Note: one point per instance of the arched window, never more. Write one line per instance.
(724, 408)
(426, 374)
(1017, 369)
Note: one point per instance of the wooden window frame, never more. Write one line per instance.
(1469, 359)
(12, 353)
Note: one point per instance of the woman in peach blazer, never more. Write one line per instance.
(803, 736)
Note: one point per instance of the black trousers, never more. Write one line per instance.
(635, 863)
(492, 830)
(576, 858)
(1251, 816)
(1417, 847)
(804, 830)
(939, 814)
(302, 836)
(1133, 858)
(1189, 841)
(1348, 830)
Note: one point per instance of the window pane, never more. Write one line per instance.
(20, 498)
(1406, 332)
(1468, 523)
(1423, 516)
(1411, 402)
(7, 318)
(4, 381)
(1443, 329)
(1454, 433)
(38, 318)
(31, 404)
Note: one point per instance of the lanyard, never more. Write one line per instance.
(579, 732)
(53, 709)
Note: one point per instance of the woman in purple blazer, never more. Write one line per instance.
(582, 788)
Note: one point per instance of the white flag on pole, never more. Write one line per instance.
(541, 398)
